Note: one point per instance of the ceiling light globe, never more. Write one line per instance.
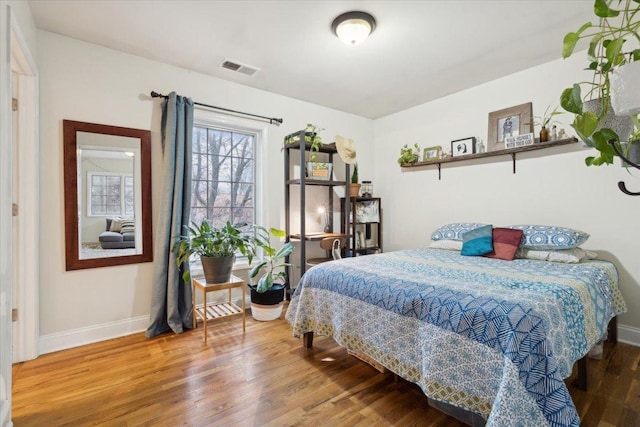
(353, 28)
(353, 31)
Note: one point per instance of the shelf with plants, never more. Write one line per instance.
(504, 152)
(312, 150)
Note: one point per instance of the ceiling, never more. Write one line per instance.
(420, 50)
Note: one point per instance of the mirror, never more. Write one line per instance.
(107, 191)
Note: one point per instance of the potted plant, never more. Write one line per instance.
(267, 295)
(594, 121)
(216, 247)
(354, 187)
(409, 155)
(544, 121)
(632, 148)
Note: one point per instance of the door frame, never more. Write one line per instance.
(26, 249)
(14, 52)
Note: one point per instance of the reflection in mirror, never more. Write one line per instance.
(107, 195)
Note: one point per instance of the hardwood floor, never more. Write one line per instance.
(264, 378)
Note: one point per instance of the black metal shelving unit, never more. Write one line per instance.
(301, 149)
(368, 225)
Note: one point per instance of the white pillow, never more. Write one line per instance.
(569, 256)
(451, 245)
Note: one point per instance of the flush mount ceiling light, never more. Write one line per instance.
(353, 27)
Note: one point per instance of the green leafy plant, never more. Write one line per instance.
(272, 265)
(606, 53)
(547, 118)
(354, 175)
(207, 241)
(311, 135)
(408, 154)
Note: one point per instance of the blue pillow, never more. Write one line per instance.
(478, 241)
(548, 237)
(454, 231)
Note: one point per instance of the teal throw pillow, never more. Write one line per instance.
(478, 241)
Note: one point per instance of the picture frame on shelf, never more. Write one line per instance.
(509, 122)
(367, 211)
(464, 146)
(431, 153)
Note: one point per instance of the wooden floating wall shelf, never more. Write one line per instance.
(507, 151)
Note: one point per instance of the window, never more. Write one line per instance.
(223, 176)
(110, 194)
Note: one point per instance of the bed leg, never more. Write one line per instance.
(612, 331)
(307, 339)
(581, 381)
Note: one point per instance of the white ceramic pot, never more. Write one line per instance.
(625, 89)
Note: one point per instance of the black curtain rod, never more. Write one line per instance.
(271, 120)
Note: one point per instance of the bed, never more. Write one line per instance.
(493, 337)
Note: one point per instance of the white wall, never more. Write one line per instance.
(551, 186)
(85, 82)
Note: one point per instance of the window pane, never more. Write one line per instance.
(223, 179)
(243, 215)
(222, 191)
(199, 140)
(219, 217)
(242, 145)
(244, 196)
(199, 194)
(242, 170)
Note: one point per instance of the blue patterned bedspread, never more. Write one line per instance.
(490, 336)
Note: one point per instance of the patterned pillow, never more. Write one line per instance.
(127, 226)
(505, 243)
(542, 237)
(454, 231)
(478, 241)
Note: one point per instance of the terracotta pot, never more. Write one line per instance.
(354, 190)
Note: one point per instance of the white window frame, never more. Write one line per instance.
(205, 118)
(90, 175)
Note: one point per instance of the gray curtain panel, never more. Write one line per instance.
(171, 297)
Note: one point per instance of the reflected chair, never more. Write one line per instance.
(333, 246)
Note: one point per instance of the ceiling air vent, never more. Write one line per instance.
(238, 67)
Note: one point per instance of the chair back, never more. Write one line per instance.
(333, 244)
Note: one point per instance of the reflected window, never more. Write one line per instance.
(111, 194)
(223, 176)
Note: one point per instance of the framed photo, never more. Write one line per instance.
(367, 211)
(509, 122)
(464, 146)
(431, 153)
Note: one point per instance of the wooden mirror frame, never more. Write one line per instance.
(72, 248)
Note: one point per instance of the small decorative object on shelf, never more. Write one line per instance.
(354, 188)
(367, 189)
(512, 121)
(409, 155)
(461, 147)
(481, 147)
(520, 140)
(432, 153)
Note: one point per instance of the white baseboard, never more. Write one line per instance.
(95, 333)
(629, 335)
(81, 336)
